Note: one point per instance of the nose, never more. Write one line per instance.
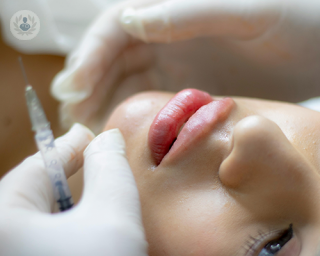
(264, 166)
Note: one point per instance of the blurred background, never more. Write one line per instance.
(16, 136)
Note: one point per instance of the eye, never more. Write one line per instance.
(274, 246)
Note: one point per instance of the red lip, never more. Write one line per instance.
(191, 105)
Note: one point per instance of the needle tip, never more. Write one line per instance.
(23, 70)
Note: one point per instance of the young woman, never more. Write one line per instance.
(223, 176)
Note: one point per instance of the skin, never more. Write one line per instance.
(256, 172)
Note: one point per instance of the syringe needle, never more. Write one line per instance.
(23, 70)
(45, 142)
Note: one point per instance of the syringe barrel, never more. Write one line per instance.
(45, 142)
(36, 113)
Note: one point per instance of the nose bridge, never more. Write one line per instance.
(262, 160)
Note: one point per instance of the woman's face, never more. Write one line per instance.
(242, 177)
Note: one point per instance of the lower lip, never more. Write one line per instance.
(191, 105)
(201, 125)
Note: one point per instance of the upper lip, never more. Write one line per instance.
(201, 114)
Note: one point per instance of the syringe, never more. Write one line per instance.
(45, 142)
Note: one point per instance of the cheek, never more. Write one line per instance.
(128, 118)
(188, 221)
(135, 115)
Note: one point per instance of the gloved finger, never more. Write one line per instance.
(109, 185)
(85, 67)
(70, 113)
(185, 19)
(93, 57)
(134, 60)
(28, 186)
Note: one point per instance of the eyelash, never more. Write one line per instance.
(253, 242)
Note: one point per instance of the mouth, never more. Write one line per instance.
(193, 112)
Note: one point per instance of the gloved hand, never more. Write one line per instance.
(211, 45)
(274, 31)
(106, 221)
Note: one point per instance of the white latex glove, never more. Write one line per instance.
(265, 46)
(106, 221)
(274, 31)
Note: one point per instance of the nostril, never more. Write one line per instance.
(262, 157)
(257, 143)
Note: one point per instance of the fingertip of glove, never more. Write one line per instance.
(63, 88)
(109, 141)
(78, 137)
(80, 128)
(71, 146)
(131, 23)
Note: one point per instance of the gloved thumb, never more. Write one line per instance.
(110, 197)
(176, 20)
(109, 186)
(28, 185)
